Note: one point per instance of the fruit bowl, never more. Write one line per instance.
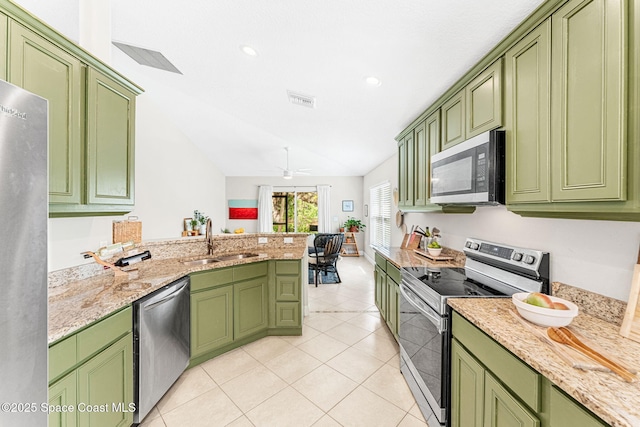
(434, 251)
(545, 316)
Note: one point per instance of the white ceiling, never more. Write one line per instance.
(235, 107)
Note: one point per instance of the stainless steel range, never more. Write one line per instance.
(491, 270)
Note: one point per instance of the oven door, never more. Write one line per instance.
(425, 350)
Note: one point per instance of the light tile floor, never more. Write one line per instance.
(342, 371)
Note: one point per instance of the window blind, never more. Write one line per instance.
(380, 215)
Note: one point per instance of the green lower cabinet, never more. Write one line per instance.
(502, 409)
(211, 319)
(105, 386)
(467, 385)
(287, 315)
(393, 290)
(491, 387)
(63, 395)
(379, 276)
(566, 412)
(249, 307)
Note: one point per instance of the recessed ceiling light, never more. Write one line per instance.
(373, 81)
(248, 50)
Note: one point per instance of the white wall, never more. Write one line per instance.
(342, 188)
(172, 179)
(595, 255)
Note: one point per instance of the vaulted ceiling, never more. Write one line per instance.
(235, 106)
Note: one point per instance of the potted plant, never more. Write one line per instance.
(200, 221)
(353, 225)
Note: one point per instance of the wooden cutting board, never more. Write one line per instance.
(631, 324)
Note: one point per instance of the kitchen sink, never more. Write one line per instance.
(236, 256)
(211, 260)
(202, 261)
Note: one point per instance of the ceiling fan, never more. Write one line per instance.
(288, 173)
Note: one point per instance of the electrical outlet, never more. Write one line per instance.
(288, 240)
(262, 239)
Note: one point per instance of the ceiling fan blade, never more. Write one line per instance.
(298, 172)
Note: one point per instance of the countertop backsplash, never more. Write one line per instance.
(600, 306)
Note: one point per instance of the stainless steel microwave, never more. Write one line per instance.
(470, 173)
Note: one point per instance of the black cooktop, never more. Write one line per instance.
(449, 282)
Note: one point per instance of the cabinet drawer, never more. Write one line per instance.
(62, 357)
(287, 267)
(103, 333)
(381, 262)
(394, 273)
(249, 271)
(515, 374)
(208, 279)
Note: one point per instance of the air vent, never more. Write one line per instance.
(300, 99)
(148, 57)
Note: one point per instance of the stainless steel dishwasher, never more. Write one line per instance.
(161, 343)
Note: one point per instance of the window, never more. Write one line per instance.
(295, 212)
(380, 215)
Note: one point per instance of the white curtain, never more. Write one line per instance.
(324, 209)
(265, 209)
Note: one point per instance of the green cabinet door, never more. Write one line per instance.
(406, 171)
(288, 315)
(566, 412)
(46, 70)
(432, 125)
(501, 409)
(527, 116)
(288, 288)
(249, 307)
(4, 24)
(211, 319)
(110, 141)
(484, 101)
(381, 291)
(378, 274)
(393, 289)
(453, 120)
(104, 382)
(62, 396)
(422, 160)
(467, 388)
(588, 100)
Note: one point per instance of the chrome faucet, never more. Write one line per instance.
(208, 238)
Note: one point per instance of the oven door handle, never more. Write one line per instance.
(422, 308)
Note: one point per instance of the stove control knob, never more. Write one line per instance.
(475, 246)
(529, 259)
(467, 245)
(517, 256)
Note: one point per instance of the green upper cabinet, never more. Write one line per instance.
(588, 101)
(422, 158)
(110, 141)
(483, 96)
(46, 70)
(453, 120)
(4, 23)
(406, 170)
(527, 116)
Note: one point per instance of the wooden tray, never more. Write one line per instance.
(431, 257)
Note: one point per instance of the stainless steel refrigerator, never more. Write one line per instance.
(23, 257)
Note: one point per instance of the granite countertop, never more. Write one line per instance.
(81, 302)
(605, 394)
(408, 258)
